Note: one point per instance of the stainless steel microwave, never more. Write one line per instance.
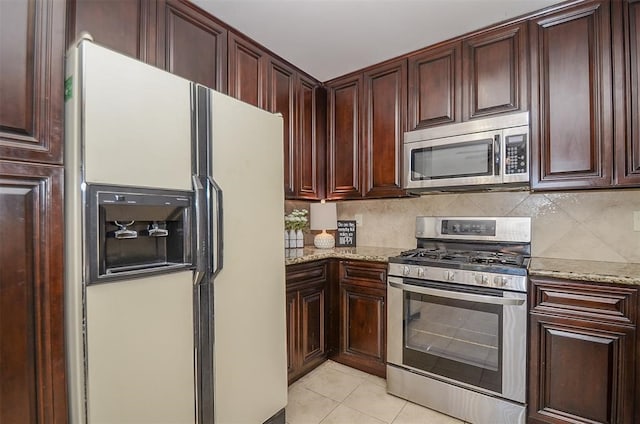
(484, 153)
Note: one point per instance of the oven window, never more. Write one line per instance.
(453, 338)
(469, 159)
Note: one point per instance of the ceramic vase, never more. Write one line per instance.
(299, 239)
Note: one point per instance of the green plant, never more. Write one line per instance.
(296, 220)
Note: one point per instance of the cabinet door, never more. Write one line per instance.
(495, 72)
(33, 387)
(312, 323)
(362, 317)
(581, 372)
(344, 177)
(435, 77)
(384, 114)
(127, 27)
(191, 44)
(363, 324)
(32, 71)
(310, 140)
(626, 27)
(281, 98)
(247, 71)
(292, 333)
(571, 98)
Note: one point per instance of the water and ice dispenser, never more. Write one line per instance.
(136, 232)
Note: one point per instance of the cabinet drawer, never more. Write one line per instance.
(371, 274)
(306, 273)
(589, 301)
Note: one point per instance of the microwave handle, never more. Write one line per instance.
(496, 154)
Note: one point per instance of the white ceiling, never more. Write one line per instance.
(330, 38)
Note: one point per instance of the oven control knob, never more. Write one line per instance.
(420, 272)
(406, 270)
(499, 281)
(482, 279)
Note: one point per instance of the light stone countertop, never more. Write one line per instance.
(569, 269)
(310, 253)
(601, 272)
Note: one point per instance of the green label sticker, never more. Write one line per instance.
(68, 91)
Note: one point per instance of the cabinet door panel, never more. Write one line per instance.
(344, 139)
(363, 318)
(384, 126)
(33, 385)
(581, 372)
(32, 70)
(281, 98)
(495, 72)
(627, 46)
(312, 309)
(124, 26)
(571, 124)
(247, 71)
(292, 331)
(310, 157)
(434, 86)
(192, 45)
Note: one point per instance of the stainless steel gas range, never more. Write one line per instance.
(457, 318)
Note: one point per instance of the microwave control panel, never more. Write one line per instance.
(516, 154)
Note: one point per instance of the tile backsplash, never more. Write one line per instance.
(590, 225)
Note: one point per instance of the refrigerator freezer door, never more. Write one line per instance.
(140, 365)
(136, 122)
(249, 292)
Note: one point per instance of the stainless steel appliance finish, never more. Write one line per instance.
(457, 316)
(486, 153)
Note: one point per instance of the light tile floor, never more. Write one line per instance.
(337, 394)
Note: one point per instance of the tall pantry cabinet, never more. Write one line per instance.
(32, 371)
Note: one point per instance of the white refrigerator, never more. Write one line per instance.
(174, 270)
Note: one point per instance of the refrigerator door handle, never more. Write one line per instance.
(219, 228)
(201, 230)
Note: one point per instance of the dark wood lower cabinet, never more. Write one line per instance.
(32, 364)
(582, 366)
(362, 340)
(306, 317)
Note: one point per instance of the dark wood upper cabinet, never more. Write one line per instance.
(310, 158)
(247, 71)
(31, 82)
(191, 44)
(281, 99)
(435, 78)
(495, 72)
(33, 388)
(344, 146)
(571, 98)
(626, 45)
(128, 27)
(384, 121)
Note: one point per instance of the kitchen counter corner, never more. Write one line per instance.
(365, 253)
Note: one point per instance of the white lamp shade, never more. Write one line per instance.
(323, 216)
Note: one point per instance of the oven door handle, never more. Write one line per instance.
(506, 301)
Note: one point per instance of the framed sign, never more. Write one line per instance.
(346, 234)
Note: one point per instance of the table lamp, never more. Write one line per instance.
(324, 217)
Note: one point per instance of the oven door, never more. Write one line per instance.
(453, 161)
(472, 336)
